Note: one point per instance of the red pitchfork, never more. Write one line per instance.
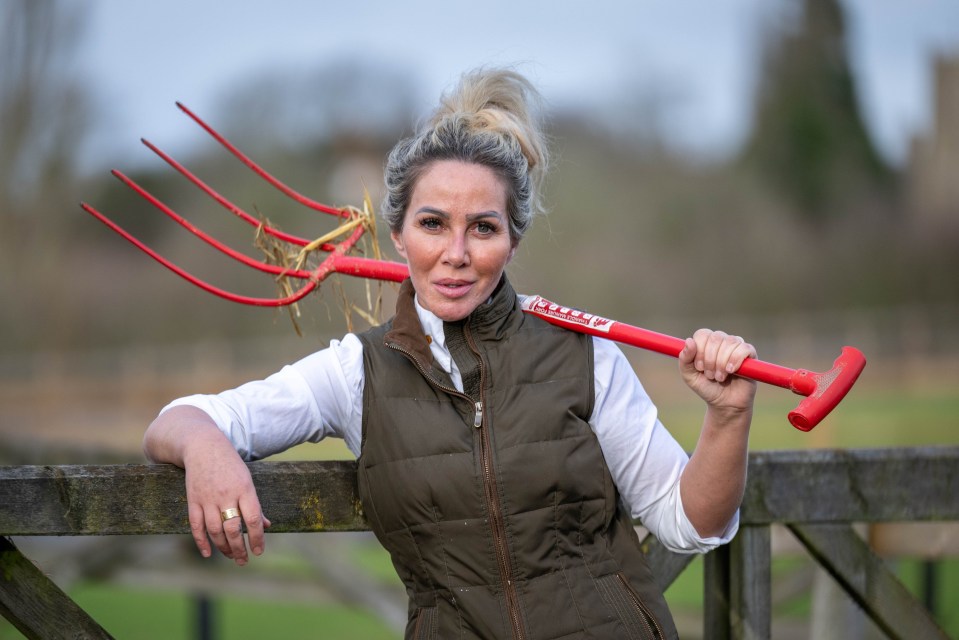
(823, 391)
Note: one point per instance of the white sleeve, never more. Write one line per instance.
(318, 396)
(643, 457)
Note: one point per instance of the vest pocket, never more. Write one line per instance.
(632, 613)
(424, 624)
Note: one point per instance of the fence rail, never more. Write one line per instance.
(817, 494)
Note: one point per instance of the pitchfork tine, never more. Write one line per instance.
(276, 183)
(336, 260)
(206, 286)
(226, 204)
(213, 242)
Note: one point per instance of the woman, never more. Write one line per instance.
(501, 459)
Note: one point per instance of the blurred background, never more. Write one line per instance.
(787, 170)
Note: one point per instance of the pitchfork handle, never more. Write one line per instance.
(823, 390)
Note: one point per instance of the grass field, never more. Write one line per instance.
(135, 614)
(920, 415)
(147, 614)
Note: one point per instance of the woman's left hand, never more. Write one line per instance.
(707, 363)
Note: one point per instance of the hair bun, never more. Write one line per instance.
(501, 101)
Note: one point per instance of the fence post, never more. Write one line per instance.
(737, 585)
(716, 594)
(204, 616)
(750, 584)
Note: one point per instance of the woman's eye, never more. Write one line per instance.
(430, 223)
(485, 228)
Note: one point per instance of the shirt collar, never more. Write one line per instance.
(433, 328)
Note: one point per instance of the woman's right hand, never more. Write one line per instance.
(217, 479)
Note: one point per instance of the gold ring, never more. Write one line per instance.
(229, 514)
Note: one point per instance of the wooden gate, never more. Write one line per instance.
(819, 495)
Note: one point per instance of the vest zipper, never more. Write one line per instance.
(652, 625)
(497, 522)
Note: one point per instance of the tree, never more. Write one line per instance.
(43, 118)
(43, 109)
(809, 142)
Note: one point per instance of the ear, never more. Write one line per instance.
(512, 252)
(397, 239)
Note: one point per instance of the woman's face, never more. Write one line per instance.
(455, 237)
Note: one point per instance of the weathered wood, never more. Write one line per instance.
(309, 496)
(36, 606)
(737, 587)
(864, 577)
(665, 565)
(866, 485)
(784, 486)
(750, 584)
(716, 594)
(811, 491)
(151, 499)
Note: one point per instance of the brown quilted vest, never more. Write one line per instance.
(496, 505)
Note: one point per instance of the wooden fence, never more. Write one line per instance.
(818, 495)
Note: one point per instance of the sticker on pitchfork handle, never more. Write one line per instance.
(542, 307)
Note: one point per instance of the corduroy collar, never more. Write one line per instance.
(407, 332)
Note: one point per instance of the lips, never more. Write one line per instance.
(453, 288)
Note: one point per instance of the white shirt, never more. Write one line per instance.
(322, 395)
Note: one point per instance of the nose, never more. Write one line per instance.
(456, 251)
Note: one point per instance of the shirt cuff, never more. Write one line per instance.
(221, 418)
(698, 544)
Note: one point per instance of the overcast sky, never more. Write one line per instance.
(142, 57)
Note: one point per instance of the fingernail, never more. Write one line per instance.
(729, 368)
(205, 554)
(257, 551)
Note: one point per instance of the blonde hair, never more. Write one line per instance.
(490, 119)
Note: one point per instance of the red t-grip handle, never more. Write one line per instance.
(823, 391)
